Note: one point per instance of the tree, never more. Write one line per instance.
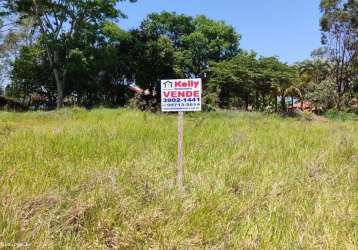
(63, 25)
(323, 94)
(31, 75)
(195, 41)
(314, 71)
(268, 79)
(154, 60)
(13, 40)
(340, 37)
(211, 41)
(246, 80)
(311, 74)
(234, 79)
(4, 13)
(171, 25)
(279, 78)
(93, 73)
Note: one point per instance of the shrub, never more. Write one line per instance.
(145, 102)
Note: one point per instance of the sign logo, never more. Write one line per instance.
(181, 95)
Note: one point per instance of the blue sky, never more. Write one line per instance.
(285, 28)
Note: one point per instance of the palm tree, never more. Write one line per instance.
(277, 91)
(314, 71)
(294, 91)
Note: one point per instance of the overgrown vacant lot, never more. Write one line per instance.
(101, 179)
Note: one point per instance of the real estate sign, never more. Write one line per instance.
(181, 95)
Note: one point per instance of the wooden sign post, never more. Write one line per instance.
(180, 173)
(180, 96)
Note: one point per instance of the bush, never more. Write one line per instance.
(150, 102)
(209, 102)
(145, 102)
(334, 114)
(11, 105)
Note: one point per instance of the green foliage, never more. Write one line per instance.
(234, 77)
(194, 41)
(113, 32)
(334, 114)
(80, 60)
(210, 102)
(69, 29)
(323, 94)
(87, 60)
(339, 24)
(92, 63)
(172, 25)
(253, 81)
(223, 41)
(11, 105)
(314, 71)
(154, 60)
(31, 74)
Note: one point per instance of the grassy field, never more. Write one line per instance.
(101, 179)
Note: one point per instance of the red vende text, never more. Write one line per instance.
(175, 94)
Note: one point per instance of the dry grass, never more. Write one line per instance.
(105, 179)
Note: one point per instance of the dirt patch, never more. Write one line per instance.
(108, 234)
(316, 168)
(77, 216)
(38, 204)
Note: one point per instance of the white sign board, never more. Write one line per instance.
(181, 95)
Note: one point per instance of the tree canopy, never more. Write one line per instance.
(65, 52)
(340, 39)
(68, 31)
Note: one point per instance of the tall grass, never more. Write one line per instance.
(101, 179)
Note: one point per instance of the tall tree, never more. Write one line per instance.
(94, 76)
(4, 13)
(234, 80)
(63, 24)
(211, 41)
(195, 41)
(340, 37)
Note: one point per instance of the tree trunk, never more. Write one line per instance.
(292, 101)
(283, 103)
(59, 85)
(53, 57)
(60, 79)
(339, 101)
(54, 62)
(247, 103)
(276, 104)
(264, 100)
(24, 99)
